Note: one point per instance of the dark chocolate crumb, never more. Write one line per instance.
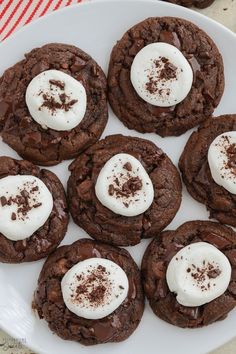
(13, 216)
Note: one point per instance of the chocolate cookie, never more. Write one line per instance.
(155, 262)
(28, 138)
(47, 237)
(196, 173)
(207, 86)
(48, 300)
(201, 4)
(102, 223)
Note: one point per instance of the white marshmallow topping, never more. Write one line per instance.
(161, 75)
(25, 205)
(198, 274)
(94, 288)
(124, 186)
(56, 100)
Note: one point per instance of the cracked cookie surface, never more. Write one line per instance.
(103, 224)
(19, 130)
(208, 82)
(49, 304)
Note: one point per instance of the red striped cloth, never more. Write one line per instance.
(17, 13)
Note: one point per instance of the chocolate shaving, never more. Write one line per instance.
(97, 293)
(200, 275)
(165, 71)
(214, 273)
(37, 205)
(131, 186)
(23, 201)
(53, 105)
(94, 287)
(128, 189)
(127, 166)
(231, 157)
(3, 200)
(116, 180)
(151, 85)
(13, 216)
(57, 83)
(168, 72)
(111, 189)
(63, 98)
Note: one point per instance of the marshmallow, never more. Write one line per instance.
(94, 288)
(124, 186)
(222, 160)
(198, 274)
(56, 100)
(25, 205)
(161, 75)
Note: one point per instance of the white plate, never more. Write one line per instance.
(95, 27)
